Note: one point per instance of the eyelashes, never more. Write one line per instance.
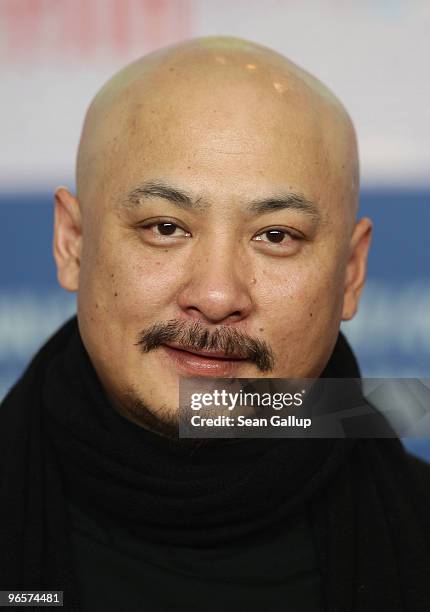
(166, 228)
(162, 231)
(276, 236)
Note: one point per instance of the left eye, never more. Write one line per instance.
(275, 236)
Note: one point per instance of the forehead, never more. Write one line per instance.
(231, 136)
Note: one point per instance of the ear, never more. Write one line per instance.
(356, 267)
(67, 243)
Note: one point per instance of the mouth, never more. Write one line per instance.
(203, 362)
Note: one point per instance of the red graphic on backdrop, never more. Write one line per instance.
(50, 31)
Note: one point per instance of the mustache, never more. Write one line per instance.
(197, 337)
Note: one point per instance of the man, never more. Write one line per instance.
(213, 233)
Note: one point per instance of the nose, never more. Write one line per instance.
(217, 290)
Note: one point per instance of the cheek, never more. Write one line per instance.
(299, 302)
(126, 282)
(298, 288)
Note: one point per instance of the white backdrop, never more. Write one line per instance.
(55, 54)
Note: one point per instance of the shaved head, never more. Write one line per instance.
(209, 80)
(217, 191)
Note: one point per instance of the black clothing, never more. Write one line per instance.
(116, 571)
(113, 566)
(367, 501)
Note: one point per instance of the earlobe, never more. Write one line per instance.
(67, 240)
(356, 267)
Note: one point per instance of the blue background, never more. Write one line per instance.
(390, 336)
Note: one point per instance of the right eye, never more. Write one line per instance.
(161, 230)
(166, 229)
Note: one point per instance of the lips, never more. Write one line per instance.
(206, 352)
(203, 362)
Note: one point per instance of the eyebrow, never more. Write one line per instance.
(185, 201)
(293, 201)
(157, 189)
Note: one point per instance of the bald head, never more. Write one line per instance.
(233, 93)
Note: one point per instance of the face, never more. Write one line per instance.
(215, 239)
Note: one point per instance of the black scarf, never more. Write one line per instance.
(59, 436)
